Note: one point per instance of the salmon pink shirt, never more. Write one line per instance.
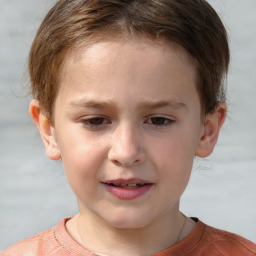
(202, 241)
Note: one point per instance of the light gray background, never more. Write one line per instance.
(34, 194)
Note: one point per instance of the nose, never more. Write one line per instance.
(126, 149)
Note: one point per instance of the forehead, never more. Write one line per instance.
(134, 66)
(131, 49)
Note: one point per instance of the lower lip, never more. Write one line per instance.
(128, 193)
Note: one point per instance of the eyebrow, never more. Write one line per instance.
(163, 104)
(144, 105)
(90, 104)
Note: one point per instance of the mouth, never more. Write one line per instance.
(128, 189)
(128, 185)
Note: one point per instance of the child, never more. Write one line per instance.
(126, 94)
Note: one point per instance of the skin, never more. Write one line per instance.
(128, 109)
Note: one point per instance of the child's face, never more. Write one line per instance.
(128, 113)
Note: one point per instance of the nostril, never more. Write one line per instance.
(126, 156)
(116, 162)
(125, 163)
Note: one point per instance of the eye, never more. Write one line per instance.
(159, 121)
(95, 122)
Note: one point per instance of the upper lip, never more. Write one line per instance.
(123, 182)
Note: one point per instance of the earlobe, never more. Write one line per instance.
(46, 130)
(211, 129)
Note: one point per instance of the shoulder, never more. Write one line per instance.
(43, 243)
(220, 242)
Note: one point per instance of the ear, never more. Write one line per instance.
(46, 130)
(210, 131)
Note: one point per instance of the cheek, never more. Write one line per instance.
(82, 159)
(174, 158)
(177, 150)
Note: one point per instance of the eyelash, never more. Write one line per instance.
(88, 122)
(165, 121)
(100, 121)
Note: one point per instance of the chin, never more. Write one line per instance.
(128, 221)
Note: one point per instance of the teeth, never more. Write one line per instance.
(132, 185)
(127, 185)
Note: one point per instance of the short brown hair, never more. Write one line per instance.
(192, 24)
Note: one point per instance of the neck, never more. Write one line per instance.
(101, 238)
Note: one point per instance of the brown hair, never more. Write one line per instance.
(192, 24)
